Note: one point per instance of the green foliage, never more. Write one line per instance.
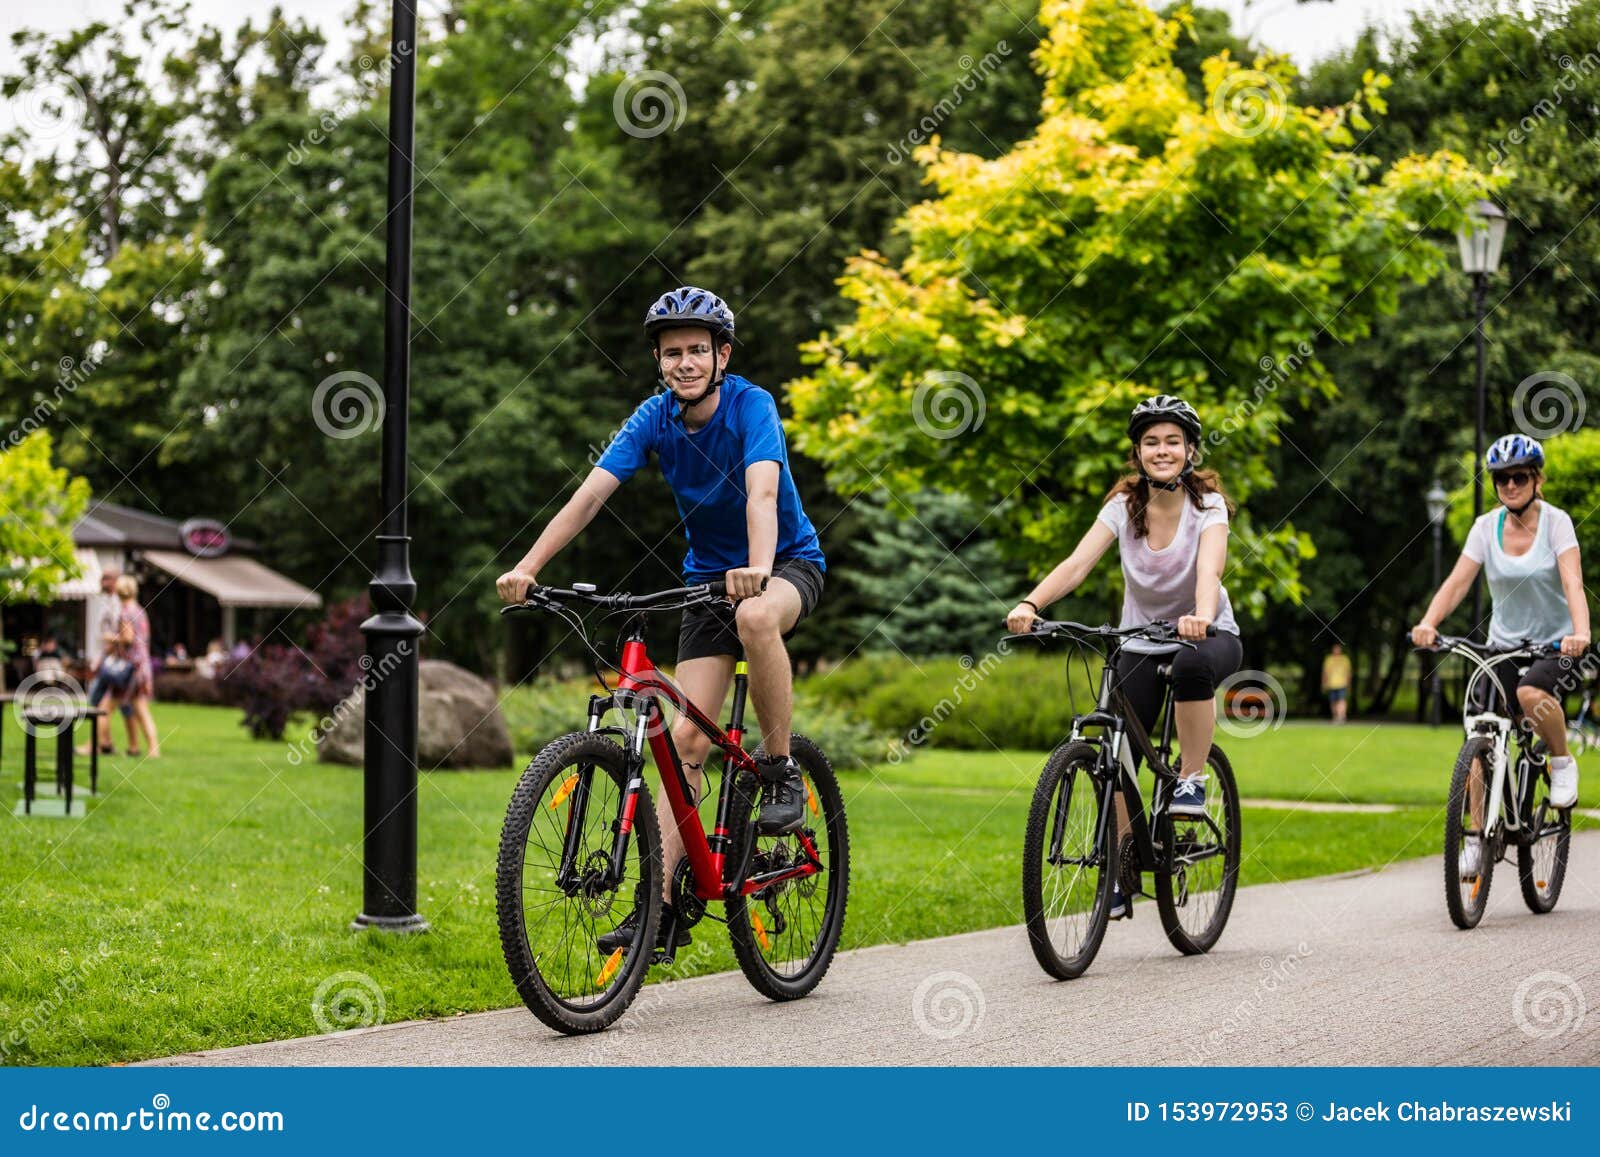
(980, 702)
(1135, 243)
(39, 503)
(928, 582)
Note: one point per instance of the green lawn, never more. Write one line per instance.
(207, 895)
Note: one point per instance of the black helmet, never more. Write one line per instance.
(1164, 408)
(690, 305)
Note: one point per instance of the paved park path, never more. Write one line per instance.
(1356, 969)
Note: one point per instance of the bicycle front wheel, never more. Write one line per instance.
(577, 941)
(1196, 897)
(1067, 872)
(1468, 857)
(784, 936)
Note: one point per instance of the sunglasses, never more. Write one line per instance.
(1513, 478)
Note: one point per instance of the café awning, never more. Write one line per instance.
(233, 580)
(87, 583)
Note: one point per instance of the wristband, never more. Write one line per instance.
(1031, 603)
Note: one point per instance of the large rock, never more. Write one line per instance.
(459, 723)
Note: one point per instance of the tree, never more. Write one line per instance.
(39, 505)
(1504, 87)
(1136, 243)
(927, 585)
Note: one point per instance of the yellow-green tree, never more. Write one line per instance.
(1141, 241)
(39, 505)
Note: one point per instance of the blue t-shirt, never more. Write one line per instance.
(706, 468)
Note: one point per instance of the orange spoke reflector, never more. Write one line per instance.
(1541, 883)
(1476, 884)
(564, 791)
(613, 962)
(761, 931)
(811, 799)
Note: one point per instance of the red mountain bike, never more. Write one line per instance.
(581, 847)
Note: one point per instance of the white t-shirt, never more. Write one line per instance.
(1159, 584)
(1525, 589)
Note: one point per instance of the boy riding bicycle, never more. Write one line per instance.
(722, 450)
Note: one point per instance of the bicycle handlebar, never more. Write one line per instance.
(541, 597)
(1159, 631)
(1530, 648)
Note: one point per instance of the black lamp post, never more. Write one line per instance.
(1438, 503)
(389, 879)
(1480, 242)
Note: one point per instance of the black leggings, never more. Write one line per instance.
(1196, 672)
(1555, 675)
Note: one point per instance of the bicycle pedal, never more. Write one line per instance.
(661, 957)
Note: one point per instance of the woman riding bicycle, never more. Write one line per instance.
(1530, 551)
(1170, 523)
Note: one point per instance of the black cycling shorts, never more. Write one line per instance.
(711, 630)
(1555, 675)
(1196, 673)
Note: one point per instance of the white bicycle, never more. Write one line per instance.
(1497, 802)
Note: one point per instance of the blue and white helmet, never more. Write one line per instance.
(690, 305)
(1514, 450)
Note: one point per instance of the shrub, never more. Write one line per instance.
(276, 680)
(187, 687)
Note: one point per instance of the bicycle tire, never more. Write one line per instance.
(1541, 882)
(791, 904)
(1069, 768)
(617, 977)
(1466, 910)
(1174, 895)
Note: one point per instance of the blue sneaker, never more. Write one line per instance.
(1189, 798)
(1119, 902)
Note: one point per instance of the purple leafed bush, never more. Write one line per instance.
(278, 679)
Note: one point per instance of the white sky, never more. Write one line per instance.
(1307, 32)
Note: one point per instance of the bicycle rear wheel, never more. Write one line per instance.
(785, 935)
(1196, 897)
(1467, 897)
(1067, 872)
(549, 928)
(1542, 864)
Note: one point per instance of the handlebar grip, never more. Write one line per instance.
(1211, 631)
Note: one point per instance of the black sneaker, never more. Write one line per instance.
(622, 935)
(783, 796)
(1119, 903)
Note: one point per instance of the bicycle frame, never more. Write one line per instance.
(642, 689)
(1497, 728)
(1122, 734)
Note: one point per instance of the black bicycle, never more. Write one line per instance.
(1073, 855)
(1497, 802)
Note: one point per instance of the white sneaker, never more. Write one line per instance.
(1563, 781)
(1470, 858)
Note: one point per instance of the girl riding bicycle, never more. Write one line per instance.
(1170, 523)
(1529, 549)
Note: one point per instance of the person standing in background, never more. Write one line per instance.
(1336, 682)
